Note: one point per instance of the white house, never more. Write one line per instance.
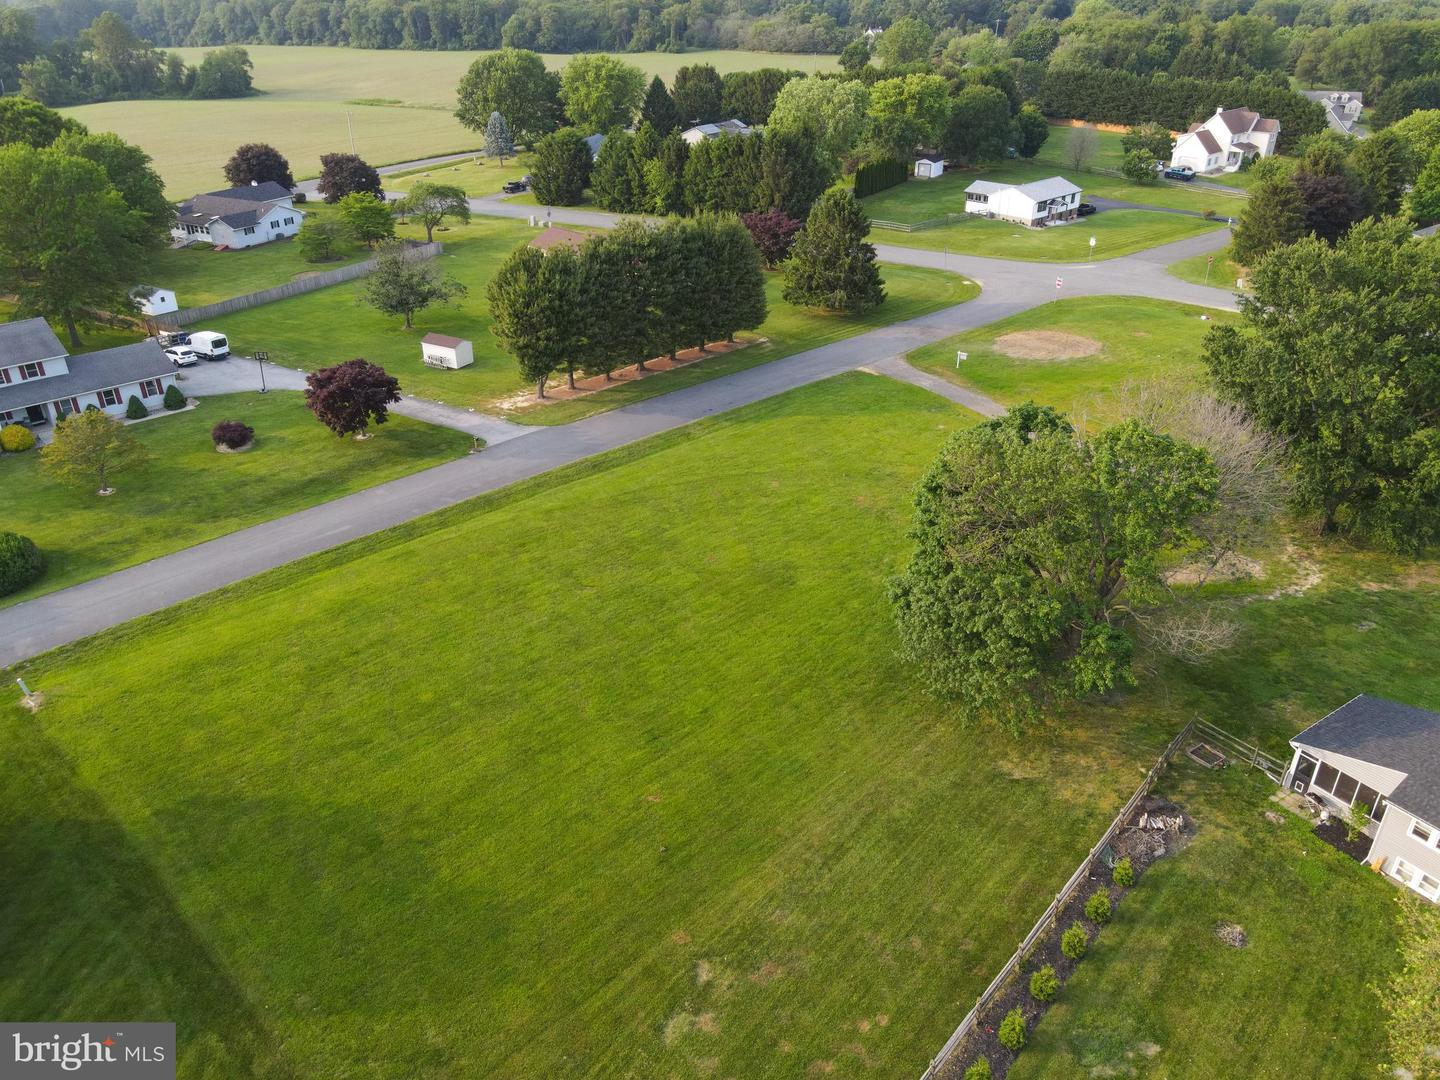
(40, 383)
(927, 168)
(701, 132)
(1038, 203)
(238, 217)
(444, 351)
(1226, 141)
(1342, 108)
(593, 143)
(155, 301)
(1385, 756)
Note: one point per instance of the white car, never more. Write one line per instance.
(181, 356)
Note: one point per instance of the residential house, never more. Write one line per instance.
(1038, 203)
(1226, 141)
(238, 217)
(594, 142)
(701, 132)
(40, 383)
(1342, 108)
(1385, 756)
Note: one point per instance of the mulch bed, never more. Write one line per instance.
(1333, 833)
(1142, 846)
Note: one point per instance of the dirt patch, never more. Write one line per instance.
(1232, 567)
(1335, 833)
(766, 973)
(1046, 345)
(1232, 935)
(680, 937)
(1307, 575)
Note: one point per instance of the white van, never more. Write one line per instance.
(209, 346)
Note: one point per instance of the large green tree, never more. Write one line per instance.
(366, 218)
(1382, 167)
(793, 173)
(833, 112)
(737, 298)
(1031, 131)
(1423, 201)
(77, 248)
(1034, 549)
(404, 285)
(1338, 352)
(29, 122)
(979, 125)
(131, 173)
(909, 112)
(907, 40)
(1272, 217)
(535, 311)
(832, 265)
(430, 204)
(659, 109)
(562, 168)
(601, 93)
(611, 180)
(516, 84)
(698, 93)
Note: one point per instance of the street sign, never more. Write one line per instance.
(961, 355)
(1059, 282)
(1092, 243)
(263, 357)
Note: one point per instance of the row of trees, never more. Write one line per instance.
(630, 294)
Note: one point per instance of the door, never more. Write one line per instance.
(36, 414)
(1304, 774)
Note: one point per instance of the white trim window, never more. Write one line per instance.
(1426, 835)
(1414, 878)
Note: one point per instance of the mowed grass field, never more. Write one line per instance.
(397, 105)
(328, 326)
(1160, 996)
(1217, 269)
(186, 492)
(617, 767)
(1134, 341)
(477, 176)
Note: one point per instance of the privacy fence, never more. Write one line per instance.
(321, 279)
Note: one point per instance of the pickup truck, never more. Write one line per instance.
(515, 187)
(1179, 172)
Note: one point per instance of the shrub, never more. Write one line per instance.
(16, 438)
(20, 562)
(879, 175)
(1097, 908)
(174, 398)
(1074, 941)
(1124, 873)
(1044, 984)
(1356, 821)
(978, 1071)
(135, 409)
(1012, 1030)
(1208, 215)
(232, 434)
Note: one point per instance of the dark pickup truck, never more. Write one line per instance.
(515, 187)
(1179, 172)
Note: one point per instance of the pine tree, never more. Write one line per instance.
(644, 148)
(665, 177)
(793, 172)
(739, 301)
(498, 143)
(659, 109)
(533, 311)
(680, 273)
(831, 265)
(610, 180)
(562, 168)
(1272, 217)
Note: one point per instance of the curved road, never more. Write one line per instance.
(1008, 287)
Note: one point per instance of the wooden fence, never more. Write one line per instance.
(1057, 905)
(1241, 750)
(320, 280)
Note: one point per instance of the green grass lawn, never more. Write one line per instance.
(1139, 341)
(327, 326)
(186, 492)
(1160, 996)
(395, 105)
(1117, 232)
(478, 176)
(1201, 270)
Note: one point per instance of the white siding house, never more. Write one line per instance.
(40, 384)
(1038, 203)
(701, 132)
(155, 301)
(1226, 141)
(238, 217)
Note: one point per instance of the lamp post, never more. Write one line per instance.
(260, 358)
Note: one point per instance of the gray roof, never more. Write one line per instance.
(238, 207)
(594, 142)
(985, 187)
(1052, 187)
(90, 372)
(27, 341)
(721, 127)
(1395, 736)
(255, 193)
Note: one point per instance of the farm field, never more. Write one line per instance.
(1078, 355)
(327, 326)
(1117, 232)
(396, 103)
(186, 492)
(1161, 996)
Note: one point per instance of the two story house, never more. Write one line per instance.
(238, 217)
(40, 383)
(1385, 756)
(1226, 141)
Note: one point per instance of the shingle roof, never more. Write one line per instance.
(238, 207)
(1052, 187)
(1266, 124)
(27, 341)
(266, 192)
(721, 127)
(445, 341)
(555, 235)
(90, 372)
(1207, 140)
(1238, 120)
(985, 187)
(1387, 733)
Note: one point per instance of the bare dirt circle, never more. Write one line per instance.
(1046, 345)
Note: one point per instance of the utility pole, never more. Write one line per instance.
(351, 128)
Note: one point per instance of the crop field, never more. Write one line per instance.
(391, 105)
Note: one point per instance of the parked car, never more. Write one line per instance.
(1179, 172)
(514, 187)
(170, 338)
(1085, 209)
(209, 345)
(181, 356)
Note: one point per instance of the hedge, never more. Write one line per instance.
(20, 562)
(879, 175)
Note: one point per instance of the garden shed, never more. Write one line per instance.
(927, 168)
(444, 351)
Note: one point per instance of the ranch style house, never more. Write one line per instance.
(1385, 756)
(40, 383)
(701, 132)
(1036, 204)
(1225, 141)
(238, 217)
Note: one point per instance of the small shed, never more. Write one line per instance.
(155, 301)
(927, 168)
(444, 351)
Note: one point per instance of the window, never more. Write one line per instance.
(1345, 788)
(1326, 777)
(289, 221)
(152, 388)
(65, 407)
(975, 196)
(4, 374)
(250, 231)
(7, 416)
(110, 397)
(1422, 832)
(274, 224)
(32, 371)
(1416, 879)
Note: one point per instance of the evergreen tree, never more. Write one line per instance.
(623, 268)
(665, 176)
(533, 310)
(1272, 217)
(1031, 131)
(562, 168)
(698, 92)
(1423, 202)
(644, 148)
(1381, 165)
(498, 143)
(680, 273)
(831, 265)
(610, 180)
(738, 301)
(793, 172)
(659, 109)
(1333, 202)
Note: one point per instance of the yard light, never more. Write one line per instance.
(260, 358)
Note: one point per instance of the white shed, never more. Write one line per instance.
(929, 168)
(444, 351)
(155, 301)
